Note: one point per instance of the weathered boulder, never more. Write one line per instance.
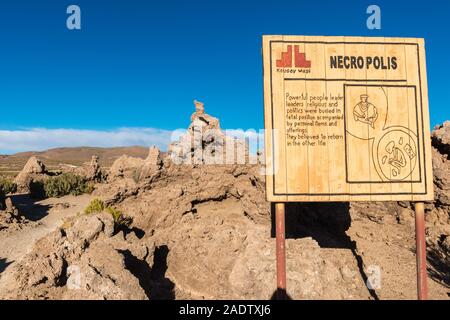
(83, 261)
(152, 164)
(209, 122)
(90, 170)
(101, 273)
(205, 143)
(125, 167)
(34, 169)
(441, 137)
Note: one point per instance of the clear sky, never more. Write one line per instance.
(135, 66)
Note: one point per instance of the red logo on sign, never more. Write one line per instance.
(299, 59)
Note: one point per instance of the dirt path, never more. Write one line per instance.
(46, 216)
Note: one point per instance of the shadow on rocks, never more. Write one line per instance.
(326, 223)
(4, 264)
(152, 279)
(439, 266)
(29, 208)
(280, 294)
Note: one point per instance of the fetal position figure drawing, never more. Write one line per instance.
(397, 158)
(365, 112)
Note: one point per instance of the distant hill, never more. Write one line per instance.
(12, 164)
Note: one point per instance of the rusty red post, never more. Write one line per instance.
(421, 253)
(280, 249)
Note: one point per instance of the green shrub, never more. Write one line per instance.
(98, 206)
(95, 206)
(7, 186)
(65, 184)
(119, 218)
(90, 187)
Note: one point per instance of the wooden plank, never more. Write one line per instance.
(336, 142)
(420, 77)
(357, 132)
(318, 156)
(275, 121)
(378, 96)
(297, 156)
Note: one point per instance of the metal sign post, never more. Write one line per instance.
(280, 249)
(421, 255)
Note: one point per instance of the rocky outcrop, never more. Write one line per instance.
(84, 261)
(152, 164)
(10, 218)
(90, 170)
(205, 143)
(129, 175)
(441, 138)
(438, 212)
(34, 169)
(125, 167)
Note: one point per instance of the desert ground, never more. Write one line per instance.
(159, 230)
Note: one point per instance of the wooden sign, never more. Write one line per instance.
(346, 119)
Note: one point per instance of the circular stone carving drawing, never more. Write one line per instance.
(396, 155)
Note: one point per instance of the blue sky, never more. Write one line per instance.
(139, 64)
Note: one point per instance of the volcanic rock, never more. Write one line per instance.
(83, 262)
(125, 167)
(205, 143)
(34, 169)
(91, 170)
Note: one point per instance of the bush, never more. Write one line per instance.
(98, 206)
(119, 218)
(65, 184)
(95, 206)
(7, 186)
(90, 187)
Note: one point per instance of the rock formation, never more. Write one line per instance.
(10, 217)
(207, 121)
(128, 175)
(152, 164)
(441, 137)
(205, 143)
(125, 167)
(85, 261)
(136, 168)
(34, 169)
(90, 170)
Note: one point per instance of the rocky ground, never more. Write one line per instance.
(206, 232)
